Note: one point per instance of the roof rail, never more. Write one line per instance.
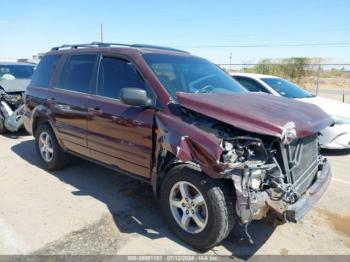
(103, 44)
(71, 46)
(158, 47)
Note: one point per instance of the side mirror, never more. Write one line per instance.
(135, 97)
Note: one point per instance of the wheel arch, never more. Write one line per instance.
(169, 161)
(41, 114)
(166, 161)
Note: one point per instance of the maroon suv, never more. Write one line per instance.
(213, 153)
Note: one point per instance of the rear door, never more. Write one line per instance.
(69, 101)
(119, 135)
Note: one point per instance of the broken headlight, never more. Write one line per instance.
(244, 149)
(13, 98)
(249, 155)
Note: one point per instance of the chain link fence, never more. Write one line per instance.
(327, 80)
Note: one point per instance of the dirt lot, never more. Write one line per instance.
(87, 209)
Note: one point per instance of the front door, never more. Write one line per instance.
(118, 134)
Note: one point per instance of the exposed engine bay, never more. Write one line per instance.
(11, 105)
(14, 79)
(268, 173)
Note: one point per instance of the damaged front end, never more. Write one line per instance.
(267, 147)
(11, 109)
(12, 103)
(286, 174)
(275, 176)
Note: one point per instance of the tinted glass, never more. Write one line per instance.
(44, 71)
(115, 74)
(77, 73)
(190, 75)
(286, 88)
(10, 72)
(250, 84)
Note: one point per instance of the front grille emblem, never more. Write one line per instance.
(289, 133)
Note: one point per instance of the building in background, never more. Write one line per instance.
(34, 59)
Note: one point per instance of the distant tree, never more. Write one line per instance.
(294, 68)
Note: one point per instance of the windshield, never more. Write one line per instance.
(10, 72)
(286, 88)
(190, 75)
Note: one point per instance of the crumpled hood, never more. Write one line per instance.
(258, 113)
(331, 107)
(15, 85)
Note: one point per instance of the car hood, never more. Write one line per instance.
(258, 113)
(15, 85)
(331, 107)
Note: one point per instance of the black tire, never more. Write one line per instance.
(3, 129)
(219, 198)
(59, 157)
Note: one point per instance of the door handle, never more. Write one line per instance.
(116, 118)
(126, 122)
(63, 107)
(95, 110)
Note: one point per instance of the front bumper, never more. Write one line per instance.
(13, 118)
(295, 212)
(335, 137)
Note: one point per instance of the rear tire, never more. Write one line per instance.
(51, 154)
(216, 212)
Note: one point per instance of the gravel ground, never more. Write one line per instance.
(88, 209)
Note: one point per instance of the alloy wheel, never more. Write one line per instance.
(45, 146)
(188, 207)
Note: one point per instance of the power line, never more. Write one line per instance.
(291, 33)
(266, 45)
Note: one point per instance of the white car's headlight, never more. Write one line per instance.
(341, 120)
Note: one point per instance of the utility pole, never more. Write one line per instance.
(101, 33)
(230, 62)
(318, 78)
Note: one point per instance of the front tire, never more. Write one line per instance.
(51, 154)
(198, 209)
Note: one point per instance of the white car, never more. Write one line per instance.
(335, 137)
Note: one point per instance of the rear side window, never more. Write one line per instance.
(77, 73)
(44, 72)
(115, 74)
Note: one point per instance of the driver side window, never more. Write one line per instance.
(115, 74)
(167, 76)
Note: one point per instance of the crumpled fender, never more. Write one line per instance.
(189, 143)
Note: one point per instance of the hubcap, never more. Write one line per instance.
(45, 147)
(188, 207)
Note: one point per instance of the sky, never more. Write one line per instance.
(250, 30)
